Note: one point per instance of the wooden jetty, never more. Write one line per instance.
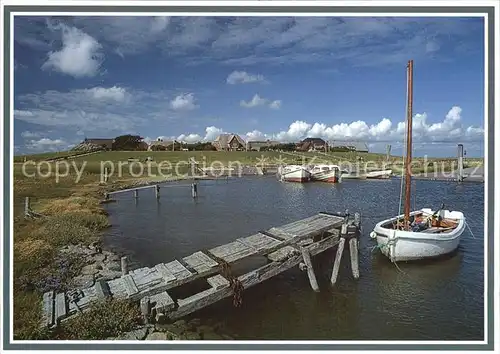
(284, 247)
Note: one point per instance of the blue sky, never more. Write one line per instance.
(282, 78)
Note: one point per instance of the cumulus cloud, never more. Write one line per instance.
(79, 56)
(27, 134)
(183, 102)
(451, 129)
(275, 104)
(242, 77)
(113, 93)
(46, 144)
(257, 101)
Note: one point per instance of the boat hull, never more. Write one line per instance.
(379, 174)
(329, 177)
(295, 174)
(400, 245)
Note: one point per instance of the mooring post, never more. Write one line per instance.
(144, 304)
(353, 248)
(136, 193)
(194, 189)
(460, 170)
(27, 206)
(310, 270)
(340, 249)
(157, 191)
(124, 263)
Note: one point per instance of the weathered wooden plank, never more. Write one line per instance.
(60, 306)
(165, 273)
(129, 284)
(178, 270)
(260, 242)
(217, 282)
(48, 309)
(162, 302)
(210, 296)
(233, 251)
(102, 289)
(200, 262)
(280, 234)
(282, 254)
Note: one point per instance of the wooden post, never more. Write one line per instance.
(388, 153)
(353, 248)
(27, 206)
(106, 175)
(124, 263)
(340, 249)
(157, 191)
(144, 304)
(136, 193)
(310, 270)
(336, 265)
(194, 190)
(460, 170)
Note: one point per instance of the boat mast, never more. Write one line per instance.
(409, 123)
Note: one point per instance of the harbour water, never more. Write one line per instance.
(432, 300)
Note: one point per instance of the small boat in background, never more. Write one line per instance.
(294, 173)
(384, 174)
(325, 173)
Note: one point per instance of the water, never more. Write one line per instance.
(441, 300)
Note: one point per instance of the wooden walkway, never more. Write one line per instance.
(284, 247)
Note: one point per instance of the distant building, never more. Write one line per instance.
(351, 145)
(161, 144)
(312, 144)
(229, 142)
(258, 145)
(107, 144)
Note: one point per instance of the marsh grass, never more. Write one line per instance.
(104, 319)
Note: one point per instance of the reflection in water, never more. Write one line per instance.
(441, 299)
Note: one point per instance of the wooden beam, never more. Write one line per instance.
(210, 296)
(310, 270)
(338, 258)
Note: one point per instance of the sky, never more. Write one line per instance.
(280, 78)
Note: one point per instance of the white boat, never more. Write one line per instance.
(434, 233)
(422, 233)
(325, 173)
(294, 173)
(379, 174)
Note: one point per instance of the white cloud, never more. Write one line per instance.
(451, 129)
(212, 132)
(79, 56)
(254, 102)
(183, 102)
(27, 134)
(275, 104)
(112, 93)
(257, 101)
(46, 144)
(190, 138)
(242, 77)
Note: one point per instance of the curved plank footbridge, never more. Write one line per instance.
(284, 247)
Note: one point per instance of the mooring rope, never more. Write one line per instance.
(467, 224)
